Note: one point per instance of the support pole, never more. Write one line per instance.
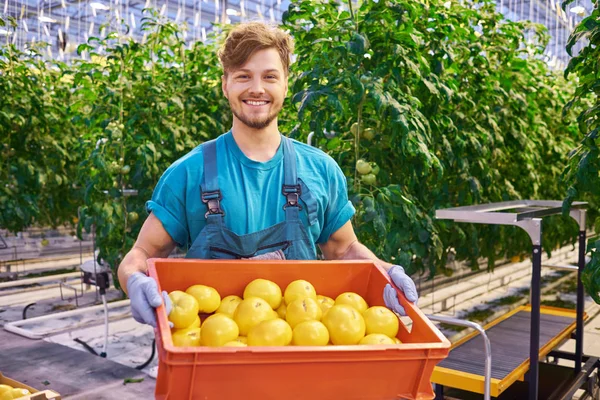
(580, 297)
(534, 340)
(439, 392)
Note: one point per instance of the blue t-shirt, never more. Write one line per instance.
(252, 198)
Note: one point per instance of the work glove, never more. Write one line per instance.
(145, 297)
(404, 283)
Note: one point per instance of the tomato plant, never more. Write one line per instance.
(581, 173)
(423, 105)
(464, 111)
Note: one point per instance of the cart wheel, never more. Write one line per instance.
(593, 388)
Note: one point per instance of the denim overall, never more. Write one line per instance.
(290, 236)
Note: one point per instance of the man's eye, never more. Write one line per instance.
(271, 77)
(242, 76)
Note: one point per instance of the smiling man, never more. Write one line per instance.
(252, 192)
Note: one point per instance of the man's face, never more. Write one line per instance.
(256, 90)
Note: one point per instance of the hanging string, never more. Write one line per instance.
(195, 25)
(556, 7)
(531, 19)
(522, 14)
(546, 24)
(39, 24)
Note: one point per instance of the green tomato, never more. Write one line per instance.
(368, 179)
(114, 167)
(363, 167)
(354, 128)
(125, 170)
(133, 216)
(374, 168)
(368, 133)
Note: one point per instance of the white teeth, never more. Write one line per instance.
(256, 103)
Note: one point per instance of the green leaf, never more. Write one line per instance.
(358, 44)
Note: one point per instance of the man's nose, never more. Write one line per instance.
(257, 86)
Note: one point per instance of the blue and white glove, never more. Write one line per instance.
(404, 283)
(145, 297)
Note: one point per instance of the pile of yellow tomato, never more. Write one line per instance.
(9, 393)
(265, 316)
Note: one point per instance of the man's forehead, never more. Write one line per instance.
(245, 69)
(264, 60)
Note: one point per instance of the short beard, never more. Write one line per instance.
(261, 124)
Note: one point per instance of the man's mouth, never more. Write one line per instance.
(256, 103)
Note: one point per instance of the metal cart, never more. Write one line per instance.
(514, 343)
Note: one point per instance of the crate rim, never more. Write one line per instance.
(161, 329)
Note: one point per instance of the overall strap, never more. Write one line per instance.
(290, 189)
(210, 192)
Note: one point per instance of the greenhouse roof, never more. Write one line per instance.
(64, 24)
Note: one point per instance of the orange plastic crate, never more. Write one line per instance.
(401, 371)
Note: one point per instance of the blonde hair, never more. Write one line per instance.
(247, 38)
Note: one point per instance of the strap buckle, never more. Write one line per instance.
(292, 194)
(213, 202)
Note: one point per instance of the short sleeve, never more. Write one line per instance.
(168, 206)
(339, 209)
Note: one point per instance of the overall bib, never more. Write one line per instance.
(289, 236)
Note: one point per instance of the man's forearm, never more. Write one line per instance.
(358, 251)
(134, 261)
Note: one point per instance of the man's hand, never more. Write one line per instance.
(145, 297)
(404, 283)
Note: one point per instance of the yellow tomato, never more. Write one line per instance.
(352, 299)
(275, 332)
(229, 304)
(381, 320)
(208, 298)
(396, 340)
(185, 309)
(252, 311)
(265, 290)
(299, 289)
(282, 310)
(235, 343)
(195, 324)
(310, 333)
(4, 388)
(14, 393)
(186, 337)
(345, 325)
(325, 302)
(376, 338)
(217, 330)
(301, 310)
(242, 339)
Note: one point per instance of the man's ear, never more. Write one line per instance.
(224, 86)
